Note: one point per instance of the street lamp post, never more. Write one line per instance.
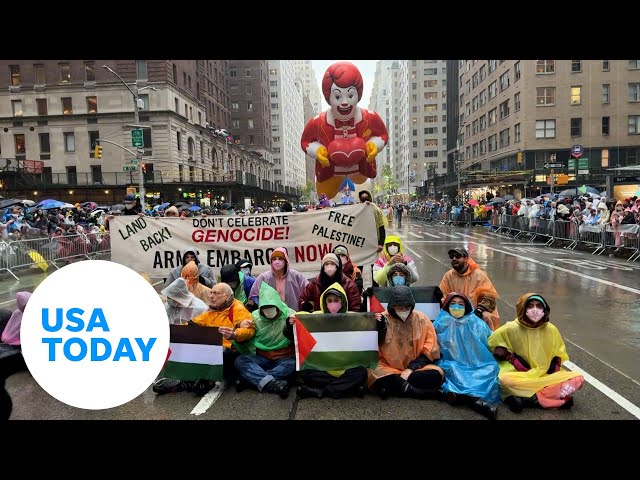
(135, 93)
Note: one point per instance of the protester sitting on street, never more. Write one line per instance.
(470, 371)
(335, 383)
(399, 274)
(230, 275)
(268, 358)
(392, 253)
(289, 283)
(407, 352)
(206, 276)
(530, 351)
(349, 268)
(191, 275)
(467, 278)
(171, 212)
(330, 272)
(182, 305)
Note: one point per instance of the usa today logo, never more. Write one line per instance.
(95, 334)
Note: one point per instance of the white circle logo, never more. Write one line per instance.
(95, 334)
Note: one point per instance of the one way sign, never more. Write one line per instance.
(553, 165)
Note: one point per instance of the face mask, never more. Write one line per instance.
(334, 307)
(456, 311)
(535, 314)
(398, 280)
(245, 270)
(277, 264)
(330, 270)
(393, 250)
(270, 312)
(403, 315)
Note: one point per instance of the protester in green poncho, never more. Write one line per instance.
(268, 360)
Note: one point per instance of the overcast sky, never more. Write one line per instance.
(367, 69)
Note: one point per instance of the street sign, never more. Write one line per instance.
(583, 164)
(577, 151)
(553, 165)
(129, 168)
(626, 179)
(137, 139)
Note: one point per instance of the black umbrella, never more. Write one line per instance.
(508, 197)
(9, 202)
(117, 208)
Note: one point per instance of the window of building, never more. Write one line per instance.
(430, 153)
(493, 90)
(235, 106)
(430, 95)
(93, 137)
(247, 71)
(414, 86)
(177, 104)
(92, 104)
(430, 71)
(45, 145)
(415, 144)
(431, 131)
(504, 138)
(576, 127)
(605, 125)
(20, 145)
(604, 157)
(39, 74)
(179, 141)
(493, 64)
(189, 81)
(504, 109)
(576, 66)
(493, 116)
(41, 105)
(483, 146)
(235, 124)
(634, 64)
(67, 108)
(251, 139)
(431, 119)
(504, 81)
(14, 73)
(89, 72)
(605, 65)
(474, 127)
(65, 73)
(634, 124)
(186, 111)
(545, 66)
(475, 80)
(576, 95)
(545, 96)
(516, 133)
(430, 142)
(273, 71)
(249, 106)
(184, 78)
(483, 122)
(250, 123)
(141, 70)
(69, 142)
(146, 139)
(493, 143)
(430, 83)
(248, 89)
(516, 71)
(96, 173)
(483, 72)
(634, 92)
(175, 74)
(474, 150)
(199, 117)
(516, 101)
(545, 128)
(16, 107)
(483, 98)
(606, 90)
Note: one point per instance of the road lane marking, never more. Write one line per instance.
(8, 301)
(613, 395)
(157, 283)
(209, 399)
(413, 251)
(414, 235)
(430, 234)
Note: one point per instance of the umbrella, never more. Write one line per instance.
(42, 202)
(117, 208)
(162, 206)
(583, 190)
(49, 204)
(508, 197)
(473, 202)
(496, 200)
(28, 203)
(91, 205)
(195, 208)
(8, 203)
(179, 204)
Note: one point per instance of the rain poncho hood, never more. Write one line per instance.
(399, 267)
(191, 306)
(269, 332)
(229, 273)
(468, 364)
(184, 257)
(400, 296)
(283, 251)
(335, 289)
(11, 332)
(521, 310)
(392, 239)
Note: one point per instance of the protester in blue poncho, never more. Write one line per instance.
(470, 370)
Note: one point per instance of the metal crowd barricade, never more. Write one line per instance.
(623, 237)
(68, 247)
(31, 252)
(5, 258)
(566, 231)
(592, 235)
(543, 228)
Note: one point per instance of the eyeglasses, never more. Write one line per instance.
(455, 255)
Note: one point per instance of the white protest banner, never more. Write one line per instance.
(156, 245)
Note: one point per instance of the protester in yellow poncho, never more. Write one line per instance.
(530, 351)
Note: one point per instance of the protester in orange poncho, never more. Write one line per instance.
(467, 278)
(530, 351)
(191, 274)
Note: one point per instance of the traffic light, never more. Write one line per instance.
(520, 157)
(98, 151)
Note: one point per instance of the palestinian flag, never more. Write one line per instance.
(194, 353)
(427, 300)
(330, 342)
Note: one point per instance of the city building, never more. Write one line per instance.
(519, 116)
(53, 112)
(287, 123)
(380, 102)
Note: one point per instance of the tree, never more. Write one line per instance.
(388, 182)
(308, 190)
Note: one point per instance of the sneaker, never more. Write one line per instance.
(168, 385)
(201, 387)
(305, 391)
(281, 387)
(241, 384)
(514, 403)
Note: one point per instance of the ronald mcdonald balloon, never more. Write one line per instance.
(345, 139)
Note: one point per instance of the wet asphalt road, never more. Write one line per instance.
(595, 303)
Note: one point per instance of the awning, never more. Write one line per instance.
(631, 167)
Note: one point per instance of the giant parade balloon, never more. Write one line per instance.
(345, 139)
